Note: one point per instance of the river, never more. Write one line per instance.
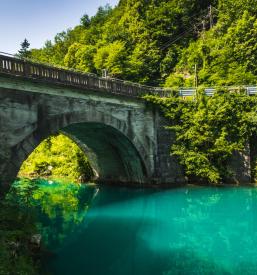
(100, 230)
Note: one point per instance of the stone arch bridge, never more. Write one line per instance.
(123, 136)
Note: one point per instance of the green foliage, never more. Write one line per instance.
(61, 203)
(80, 57)
(57, 157)
(57, 202)
(154, 43)
(128, 40)
(111, 57)
(226, 54)
(24, 51)
(85, 21)
(209, 130)
(16, 230)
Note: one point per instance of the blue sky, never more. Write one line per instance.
(40, 20)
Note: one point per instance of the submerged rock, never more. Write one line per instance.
(36, 240)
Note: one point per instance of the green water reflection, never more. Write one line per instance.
(58, 208)
(113, 230)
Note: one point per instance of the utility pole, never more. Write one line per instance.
(204, 28)
(196, 78)
(211, 16)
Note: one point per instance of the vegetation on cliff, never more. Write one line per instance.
(209, 131)
(224, 55)
(130, 41)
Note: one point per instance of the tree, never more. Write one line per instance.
(112, 57)
(24, 51)
(85, 21)
(80, 57)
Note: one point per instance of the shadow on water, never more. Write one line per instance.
(111, 240)
(112, 195)
(121, 251)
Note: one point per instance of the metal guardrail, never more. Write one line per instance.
(190, 92)
(28, 69)
(251, 90)
(209, 91)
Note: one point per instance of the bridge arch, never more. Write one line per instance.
(113, 151)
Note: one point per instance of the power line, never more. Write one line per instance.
(181, 35)
(193, 26)
(201, 22)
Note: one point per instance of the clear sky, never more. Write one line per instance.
(40, 20)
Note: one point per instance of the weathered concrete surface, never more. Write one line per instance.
(124, 138)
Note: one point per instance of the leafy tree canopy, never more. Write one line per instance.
(160, 42)
(131, 41)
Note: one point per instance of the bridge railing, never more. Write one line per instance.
(28, 69)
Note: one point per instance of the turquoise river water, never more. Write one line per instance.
(119, 231)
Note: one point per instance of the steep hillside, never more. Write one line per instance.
(224, 55)
(162, 42)
(131, 41)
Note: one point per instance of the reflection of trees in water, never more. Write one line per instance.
(58, 208)
(221, 221)
(16, 229)
(183, 261)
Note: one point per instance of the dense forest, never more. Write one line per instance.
(162, 42)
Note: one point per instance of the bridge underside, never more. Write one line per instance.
(105, 130)
(111, 154)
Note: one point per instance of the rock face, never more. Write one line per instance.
(124, 137)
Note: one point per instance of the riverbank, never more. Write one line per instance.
(134, 185)
(174, 185)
